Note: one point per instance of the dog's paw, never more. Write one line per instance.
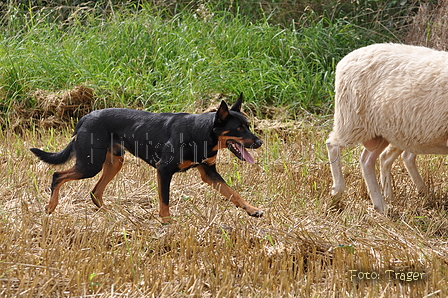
(252, 211)
(257, 213)
(49, 209)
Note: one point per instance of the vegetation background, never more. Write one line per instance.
(61, 59)
(179, 55)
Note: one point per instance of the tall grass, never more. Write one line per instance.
(136, 57)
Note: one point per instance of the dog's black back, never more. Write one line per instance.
(156, 138)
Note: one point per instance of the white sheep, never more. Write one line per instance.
(389, 94)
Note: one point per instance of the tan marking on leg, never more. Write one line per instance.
(62, 177)
(185, 164)
(111, 167)
(210, 161)
(164, 210)
(231, 194)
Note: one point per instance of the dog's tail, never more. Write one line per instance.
(55, 158)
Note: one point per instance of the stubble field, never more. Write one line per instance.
(306, 244)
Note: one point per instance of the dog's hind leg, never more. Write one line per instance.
(60, 178)
(111, 166)
(210, 176)
(84, 168)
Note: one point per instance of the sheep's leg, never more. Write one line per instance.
(336, 170)
(409, 162)
(387, 158)
(372, 151)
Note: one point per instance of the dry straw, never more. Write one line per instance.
(52, 109)
(306, 245)
(429, 26)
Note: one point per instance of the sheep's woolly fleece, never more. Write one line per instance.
(399, 92)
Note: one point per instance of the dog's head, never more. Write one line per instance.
(232, 130)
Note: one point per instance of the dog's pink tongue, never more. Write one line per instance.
(246, 155)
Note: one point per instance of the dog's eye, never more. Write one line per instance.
(243, 126)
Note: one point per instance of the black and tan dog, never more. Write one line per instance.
(170, 142)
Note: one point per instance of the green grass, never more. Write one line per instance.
(139, 58)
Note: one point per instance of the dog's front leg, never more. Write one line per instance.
(164, 180)
(210, 176)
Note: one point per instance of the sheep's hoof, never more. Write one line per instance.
(337, 192)
(380, 209)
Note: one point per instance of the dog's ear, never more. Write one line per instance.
(222, 113)
(237, 105)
